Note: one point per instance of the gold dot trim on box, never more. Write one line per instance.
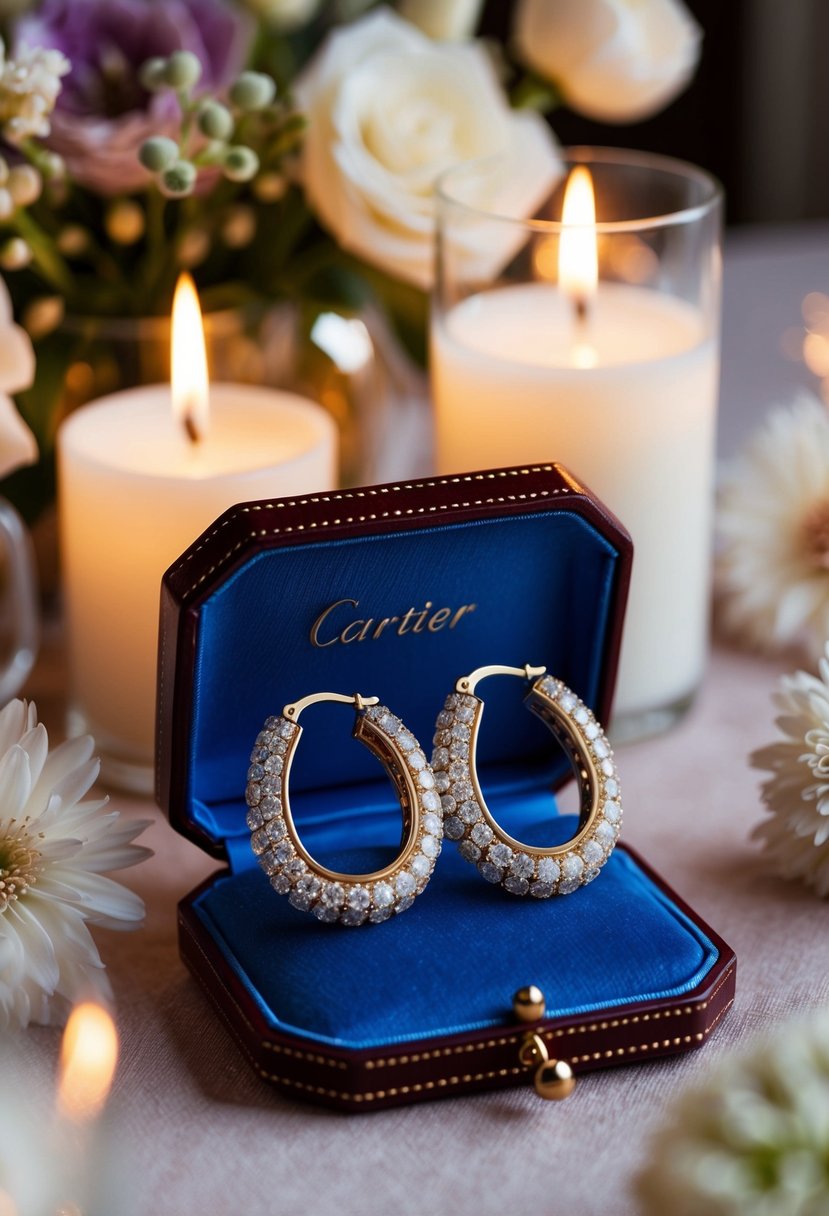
(371, 493)
(642, 1049)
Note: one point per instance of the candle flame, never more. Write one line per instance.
(578, 262)
(88, 1055)
(188, 361)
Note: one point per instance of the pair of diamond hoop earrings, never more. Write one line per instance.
(441, 799)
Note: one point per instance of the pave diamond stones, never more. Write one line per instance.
(561, 869)
(405, 884)
(430, 846)
(421, 866)
(333, 895)
(548, 870)
(490, 872)
(431, 822)
(500, 854)
(593, 853)
(481, 834)
(305, 892)
(383, 894)
(470, 812)
(350, 900)
(522, 866)
(469, 851)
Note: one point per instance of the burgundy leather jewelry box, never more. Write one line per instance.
(395, 591)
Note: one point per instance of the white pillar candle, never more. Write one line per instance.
(627, 402)
(134, 492)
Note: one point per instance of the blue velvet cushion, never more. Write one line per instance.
(452, 962)
(536, 588)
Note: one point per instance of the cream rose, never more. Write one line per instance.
(614, 60)
(17, 369)
(388, 111)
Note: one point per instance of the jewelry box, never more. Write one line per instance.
(285, 598)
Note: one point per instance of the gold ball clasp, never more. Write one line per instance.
(529, 1004)
(554, 1080)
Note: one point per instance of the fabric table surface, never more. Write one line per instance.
(204, 1134)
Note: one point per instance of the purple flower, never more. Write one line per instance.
(103, 114)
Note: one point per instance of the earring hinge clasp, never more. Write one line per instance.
(359, 702)
(468, 683)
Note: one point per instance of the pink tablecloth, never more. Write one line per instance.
(206, 1136)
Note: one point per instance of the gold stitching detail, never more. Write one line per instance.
(562, 1031)
(369, 492)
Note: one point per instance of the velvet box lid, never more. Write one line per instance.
(395, 591)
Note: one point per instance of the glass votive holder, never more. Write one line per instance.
(594, 342)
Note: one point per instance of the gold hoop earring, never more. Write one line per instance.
(346, 899)
(519, 868)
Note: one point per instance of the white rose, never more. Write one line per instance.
(388, 112)
(447, 20)
(614, 60)
(17, 369)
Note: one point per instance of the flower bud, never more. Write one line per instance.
(42, 316)
(252, 91)
(158, 153)
(125, 222)
(179, 179)
(193, 248)
(152, 74)
(215, 120)
(6, 203)
(24, 185)
(240, 164)
(72, 241)
(239, 228)
(52, 166)
(183, 70)
(15, 254)
(270, 187)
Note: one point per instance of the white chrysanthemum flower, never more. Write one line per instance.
(29, 1170)
(54, 850)
(29, 88)
(752, 1140)
(797, 793)
(773, 521)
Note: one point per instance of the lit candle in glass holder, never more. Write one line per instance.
(538, 357)
(140, 475)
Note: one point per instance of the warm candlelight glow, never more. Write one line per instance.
(578, 263)
(188, 361)
(89, 1053)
